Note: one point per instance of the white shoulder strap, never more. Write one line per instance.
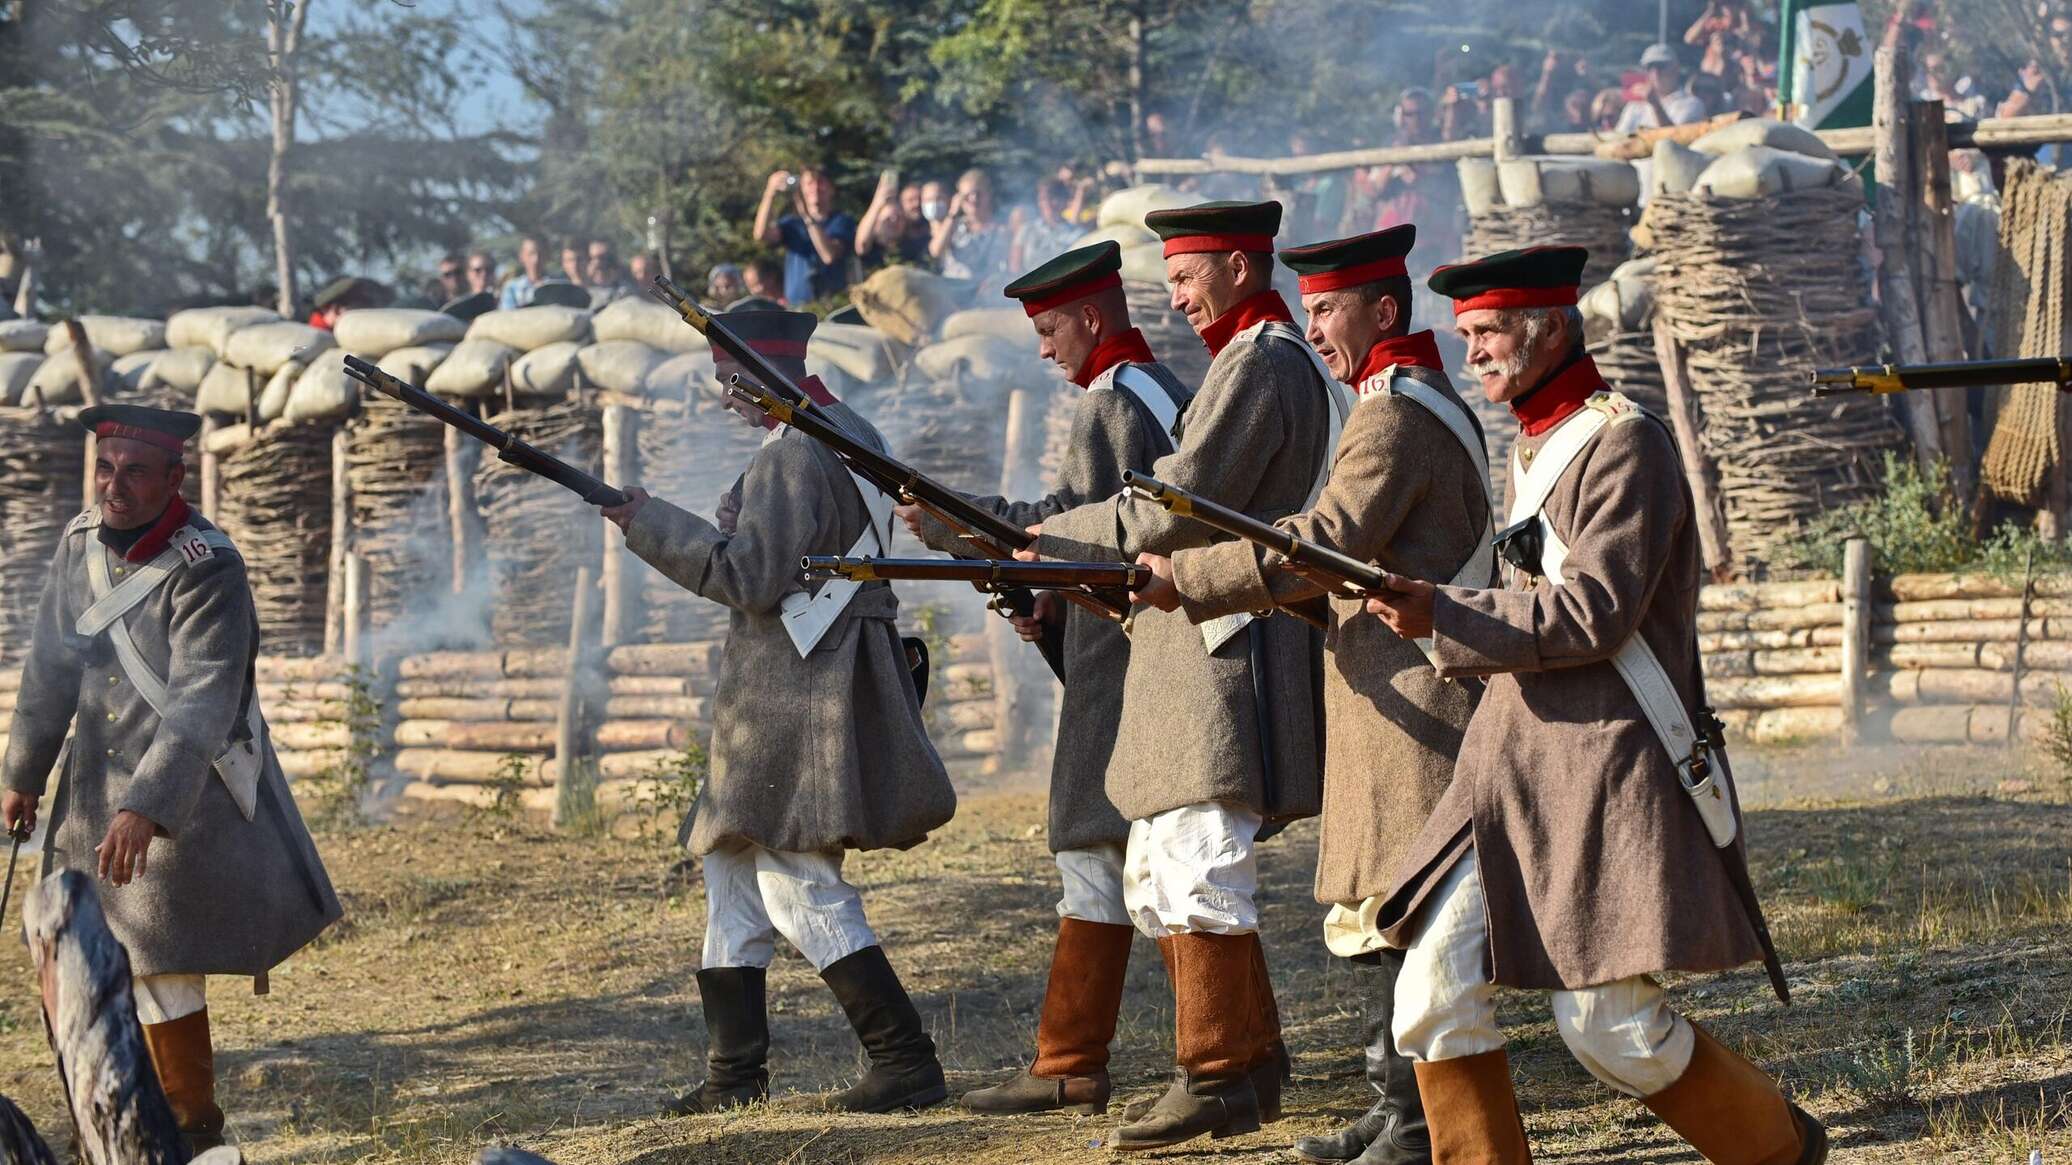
(1536, 483)
(807, 617)
(1478, 569)
(1148, 391)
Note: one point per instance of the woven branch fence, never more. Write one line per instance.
(41, 467)
(536, 536)
(276, 505)
(395, 468)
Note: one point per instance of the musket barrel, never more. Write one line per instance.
(1885, 378)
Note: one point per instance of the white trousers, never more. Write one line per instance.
(1624, 1032)
(1193, 869)
(163, 998)
(753, 894)
(1092, 878)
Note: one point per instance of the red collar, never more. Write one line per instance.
(1257, 308)
(1418, 350)
(816, 391)
(1556, 400)
(160, 535)
(1128, 347)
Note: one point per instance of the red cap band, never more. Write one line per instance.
(1195, 244)
(1352, 276)
(148, 436)
(796, 349)
(1037, 305)
(1502, 297)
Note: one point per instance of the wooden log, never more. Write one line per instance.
(1784, 619)
(299, 691)
(1913, 587)
(341, 543)
(536, 661)
(462, 524)
(574, 785)
(1893, 162)
(1953, 631)
(120, 1115)
(663, 659)
(446, 764)
(1789, 661)
(652, 686)
(479, 688)
(1944, 610)
(1506, 140)
(1777, 725)
(620, 766)
(307, 712)
(1914, 656)
(1748, 596)
(966, 715)
(299, 765)
(688, 708)
(305, 736)
(454, 708)
(211, 469)
(1934, 241)
(1777, 691)
(621, 591)
(475, 735)
(487, 664)
(283, 668)
(1699, 472)
(10, 679)
(354, 643)
(2036, 655)
(1856, 637)
(1930, 724)
(633, 735)
(1971, 685)
(968, 647)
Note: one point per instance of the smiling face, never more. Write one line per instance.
(1204, 285)
(134, 481)
(1345, 325)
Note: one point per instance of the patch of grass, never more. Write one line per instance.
(339, 792)
(2057, 737)
(669, 789)
(514, 774)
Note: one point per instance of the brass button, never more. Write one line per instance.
(111, 715)
(121, 570)
(113, 679)
(111, 752)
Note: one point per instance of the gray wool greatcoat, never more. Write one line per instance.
(1110, 433)
(825, 752)
(1402, 493)
(1253, 438)
(1595, 863)
(220, 895)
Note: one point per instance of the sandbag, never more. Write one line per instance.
(1008, 323)
(909, 304)
(111, 335)
(273, 399)
(23, 335)
(1132, 204)
(984, 358)
(1675, 169)
(1764, 131)
(323, 393)
(476, 366)
(1759, 171)
(863, 353)
(549, 370)
(227, 439)
(17, 369)
(134, 370)
(1144, 263)
(1122, 234)
(371, 333)
(263, 348)
(527, 328)
(56, 380)
(180, 369)
(682, 377)
(210, 327)
(1478, 185)
(222, 390)
(1539, 181)
(619, 365)
(645, 320)
(413, 363)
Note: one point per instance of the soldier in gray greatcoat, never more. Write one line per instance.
(1220, 722)
(1124, 421)
(818, 746)
(168, 790)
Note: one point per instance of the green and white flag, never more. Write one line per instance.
(1826, 68)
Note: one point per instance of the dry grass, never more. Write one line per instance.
(495, 983)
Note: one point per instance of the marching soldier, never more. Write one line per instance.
(169, 790)
(1220, 723)
(1590, 837)
(785, 801)
(1409, 489)
(1124, 421)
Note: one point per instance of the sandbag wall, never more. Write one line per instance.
(1947, 653)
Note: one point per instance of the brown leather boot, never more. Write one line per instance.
(1216, 1045)
(1733, 1114)
(1472, 1112)
(186, 1064)
(1273, 1067)
(1073, 1033)
(1134, 1111)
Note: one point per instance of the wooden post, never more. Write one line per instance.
(1022, 685)
(1856, 635)
(354, 643)
(1895, 200)
(620, 594)
(1699, 472)
(575, 790)
(1503, 129)
(460, 507)
(1942, 303)
(341, 539)
(90, 394)
(120, 1115)
(211, 468)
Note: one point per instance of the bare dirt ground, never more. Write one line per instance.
(494, 983)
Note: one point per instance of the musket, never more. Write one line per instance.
(985, 574)
(1884, 378)
(1338, 573)
(20, 833)
(508, 448)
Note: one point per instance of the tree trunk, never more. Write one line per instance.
(1935, 267)
(284, 96)
(1901, 310)
(1136, 82)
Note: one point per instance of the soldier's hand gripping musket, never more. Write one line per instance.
(1108, 581)
(1884, 378)
(1322, 565)
(509, 448)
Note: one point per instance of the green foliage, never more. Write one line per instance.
(668, 790)
(514, 772)
(340, 790)
(1912, 525)
(2057, 737)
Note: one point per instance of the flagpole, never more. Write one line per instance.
(1787, 42)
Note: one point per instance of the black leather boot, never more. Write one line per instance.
(904, 1072)
(737, 1023)
(1392, 1132)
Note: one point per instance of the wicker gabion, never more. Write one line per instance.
(1603, 229)
(1757, 292)
(536, 538)
(1627, 360)
(276, 505)
(690, 452)
(395, 467)
(40, 471)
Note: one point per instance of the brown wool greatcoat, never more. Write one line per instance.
(810, 754)
(1402, 493)
(1110, 433)
(1595, 864)
(1253, 438)
(219, 895)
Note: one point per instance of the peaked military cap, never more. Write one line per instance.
(1071, 276)
(1217, 226)
(779, 335)
(1342, 263)
(467, 307)
(165, 428)
(1529, 277)
(559, 293)
(354, 291)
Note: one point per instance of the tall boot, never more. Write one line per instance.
(1472, 1110)
(1733, 1114)
(185, 1059)
(1080, 1005)
(1392, 1132)
(1271, 1064)
(737, 1021)
(1215, 1043)
(1134, 1111)
(904, 1072)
